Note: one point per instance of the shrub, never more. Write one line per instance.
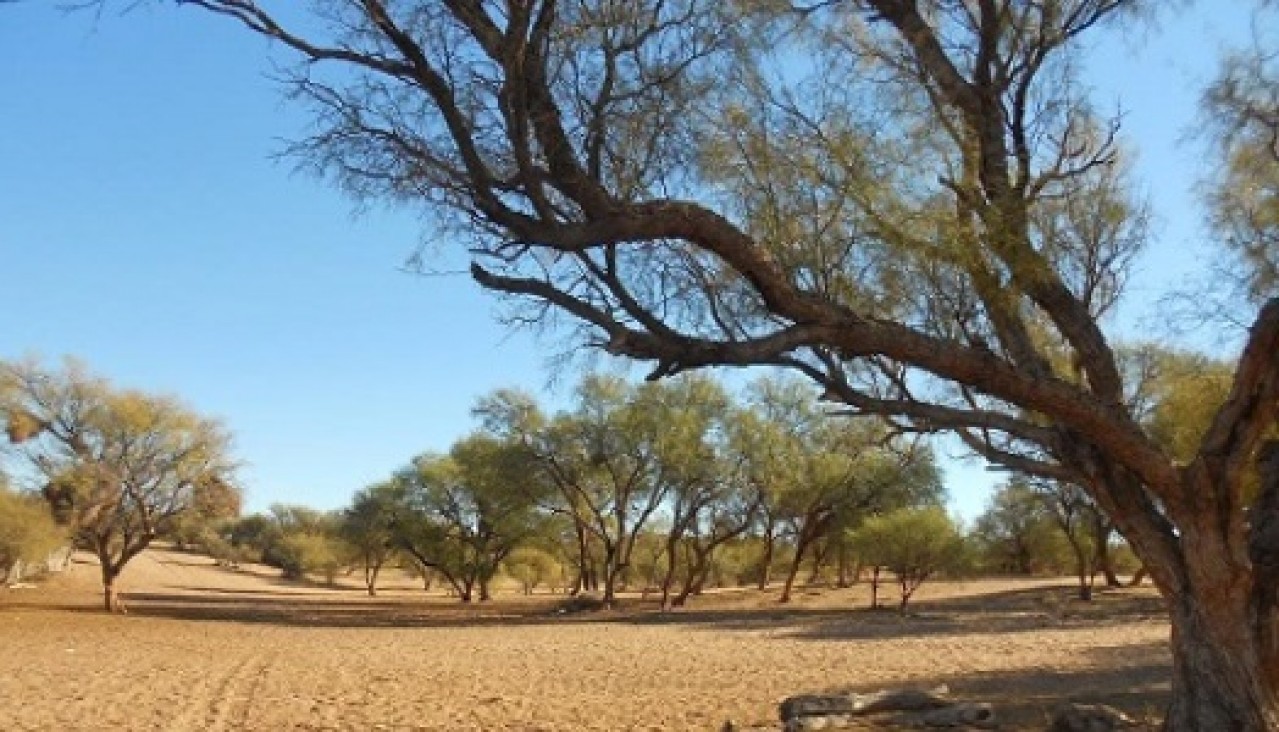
(28, 532)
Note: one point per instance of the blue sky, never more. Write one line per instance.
(146, 228)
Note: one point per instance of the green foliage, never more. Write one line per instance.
(914, 544)
(462, 514)
(304, 552)
(1242, 111)
(1017, 534)
(368, 527)
(1185, 390)
(531, 567)
(28, 532)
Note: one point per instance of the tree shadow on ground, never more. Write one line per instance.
(1011, 611)
(348, 610)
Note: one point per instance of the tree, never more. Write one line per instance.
(1242, 112)
(822, 470)
(119, 467)
(463, 514)
(913, 544)
(604, 463)
(368, 527)
(709, 503)
(311, 551)
(214, 505)
(922, 214)
(1016, 533)
(1078, 519)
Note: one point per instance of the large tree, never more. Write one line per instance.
(119, 467)
(909, 201)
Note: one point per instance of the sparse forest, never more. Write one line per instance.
(912, 204)
(911, 218)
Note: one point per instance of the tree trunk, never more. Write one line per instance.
(790, 578)
(696, 577)
(821, 551)
(669, 578)
(111, 601)
(766, 562)
(1138, 576)
(846, 574)
(1223, 677)
(1102, 531)
(611, 573)
(874, 588)
(813, 528)
(1083, 569)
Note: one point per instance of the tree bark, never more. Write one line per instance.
(1138, 576)
(1224, 609)
(874, 588)
(1103, 561)
(766, 562)
(111, 601)
(846, 573)
(1223, 679)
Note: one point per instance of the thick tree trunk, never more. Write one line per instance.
(1225, 616)
(1223, 679)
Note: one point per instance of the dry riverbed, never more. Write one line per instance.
(206, 648)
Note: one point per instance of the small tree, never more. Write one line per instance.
(1017, 533)
(368, 527)
(913, 543)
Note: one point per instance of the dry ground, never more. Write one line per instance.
(205, 648)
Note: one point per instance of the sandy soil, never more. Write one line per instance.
(205, 648)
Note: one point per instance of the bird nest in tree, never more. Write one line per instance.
(23, 426)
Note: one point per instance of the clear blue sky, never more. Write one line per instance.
(146, 229)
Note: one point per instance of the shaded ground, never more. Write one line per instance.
(205, 648)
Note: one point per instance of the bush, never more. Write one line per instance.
(530, 567)
(303, 553)
(28, 532)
